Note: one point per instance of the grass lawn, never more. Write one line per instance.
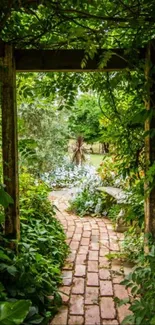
(95, 159)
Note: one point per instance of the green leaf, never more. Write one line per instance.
(13, 313)
(152, 322)
(4, 256)
(128, 320)
(5, 198)
(12, 270)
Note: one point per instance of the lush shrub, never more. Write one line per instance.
(132, 247)
(109, 172)
(135, 202)
(88, 200)
(34, 273)
(68, 175)
(142, 285)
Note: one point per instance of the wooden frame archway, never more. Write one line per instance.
(12, 60)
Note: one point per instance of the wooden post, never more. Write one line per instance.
(150, 138)
(9, 139)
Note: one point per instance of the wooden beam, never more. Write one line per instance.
(150, 138)
(70, 60)
(9, 140)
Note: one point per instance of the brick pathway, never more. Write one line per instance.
(90, 281)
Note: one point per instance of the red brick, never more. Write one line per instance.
(85, 241)
(104, 251)
(92, 279)
(104, 262)
(83, 250)
(92, 315)
(93, 266)
(104, 243)
(71, 257)
(64, 292)
(67, 277)
(101, 224)
(78, 286)
(71, 228)
(117, 278)
(93, 255)
(104, 274)
(76, 320)
(104, 235)
(71, 222)
(123, 311)
(74, 244)
(110, 322)
(94, 246)
(94, 226)
(95, 232)
(91, 295)
(81, 259)
(107, 308)
(78, 230)
(94, 239)
(86, 234)
(77, 305)
(114, 246)
(69, 234)
(120, 291)
(77, 237)
(87, 227)
(106, 288)
(114, 237)
(61, 317)
(80, 270)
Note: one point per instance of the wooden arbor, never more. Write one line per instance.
(12, 60)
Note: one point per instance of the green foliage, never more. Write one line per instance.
(88, 200)
(13, 313)
(114, 211)
(135, 204)
(86, 203)
(41, 123)
(34, 273)
(142, 285)
(79, 24)
(108, 170)
(84, 118)
(132, 247)
(5, 198)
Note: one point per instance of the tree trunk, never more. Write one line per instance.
(105, 147)
(9, 140)
(150, 139)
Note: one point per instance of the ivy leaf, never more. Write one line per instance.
(13, 313)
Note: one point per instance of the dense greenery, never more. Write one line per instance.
(48, 116)
(34, 273)
(39, 123)
(77, 23)
(85, 118)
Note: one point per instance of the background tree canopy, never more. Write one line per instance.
(77, 24)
